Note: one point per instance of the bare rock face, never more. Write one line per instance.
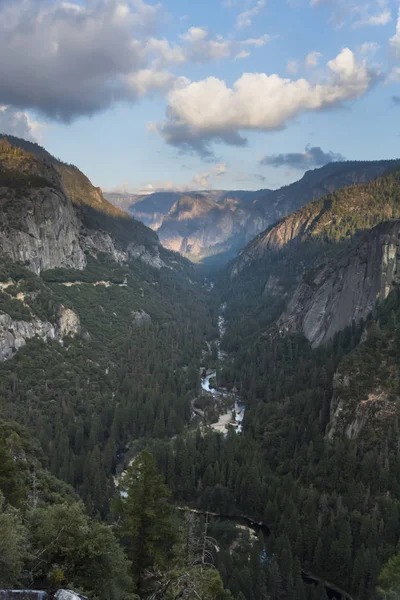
(347, 290)
(149, 256)
(15, 334)
(41, 229)
(349, 414)
(68, 595)
(51, 215)
(100, 241)
(69, 323)
(199, 226)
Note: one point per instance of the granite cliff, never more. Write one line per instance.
(347, 289)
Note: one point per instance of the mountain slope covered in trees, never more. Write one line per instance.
(318, 460)
(102, 336)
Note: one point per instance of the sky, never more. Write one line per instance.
(180, 95)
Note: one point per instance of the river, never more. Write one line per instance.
(235, 414)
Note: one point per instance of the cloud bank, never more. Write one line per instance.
(209, 111)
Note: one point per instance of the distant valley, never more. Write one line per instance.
(212, 226)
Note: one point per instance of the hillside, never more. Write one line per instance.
(84, 290)
(312, 336)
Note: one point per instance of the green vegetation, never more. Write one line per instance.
(73, 414)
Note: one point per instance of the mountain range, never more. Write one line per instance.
(213, 226)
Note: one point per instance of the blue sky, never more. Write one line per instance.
(230, 94)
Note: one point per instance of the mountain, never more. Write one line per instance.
(217, 224)
(333, 275)
(85, 289)
(347, 288)
(312, 316)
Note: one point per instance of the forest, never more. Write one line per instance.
(110, 486)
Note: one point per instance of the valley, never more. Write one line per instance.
(268, 392)
(211, 227)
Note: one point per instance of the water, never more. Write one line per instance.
(226, 418)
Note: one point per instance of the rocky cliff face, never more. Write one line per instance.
(14, 334)
(198, 227)
(345, 290)
(38, 224)
(349, 414)
(52, 216)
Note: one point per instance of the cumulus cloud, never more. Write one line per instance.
(395, 40)
(312, 59)
(74, 58)
(396, 100)
(309, 159)
(18, 123)
(246, 17)
(68, 59)
(208, 110)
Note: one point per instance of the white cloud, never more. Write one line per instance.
(312, 59)
(246, 17)
(394, 76)
(311, 158)
(292, 67)
(204, 180)
(164, 53)
(257, 42)
(358, 13)
(382, 18)
(195, 35)
(395, 40)
(200, 47)
(242, 54)
(19, 123)
(208, 110)
(369, 49)
(146, 81)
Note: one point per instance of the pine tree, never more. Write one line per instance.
(147, 525)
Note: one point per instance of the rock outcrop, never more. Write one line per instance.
(69, 323)
(345, 290)
(140, 318)
(349, 416)
(68, 595)
(38, 224)
(14, 334)
(52, 216)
